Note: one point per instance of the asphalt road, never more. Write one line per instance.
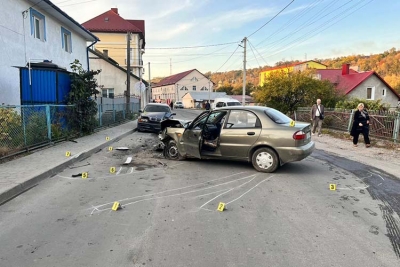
(170, 218)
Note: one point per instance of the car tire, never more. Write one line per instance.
(171, 150)
(265, 160)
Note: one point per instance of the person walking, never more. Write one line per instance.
(360, 125)
(171, 105)
(317, 116)
(207, 106)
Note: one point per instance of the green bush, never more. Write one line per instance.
(352, 103)
(11, 133)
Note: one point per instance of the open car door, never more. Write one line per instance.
(192, 136)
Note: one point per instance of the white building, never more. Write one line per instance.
(112, 77)
(174, 87)
(34, 31)
(199, 99)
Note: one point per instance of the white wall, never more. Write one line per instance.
(110, 76)
(13, 46)
(374, 82)
(169, 91)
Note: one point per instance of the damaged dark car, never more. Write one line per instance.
(152, 115)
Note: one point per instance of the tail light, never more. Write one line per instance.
(299, 135)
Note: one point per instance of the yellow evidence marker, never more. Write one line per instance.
(68, 153)
(332, 187)
(112, 169)
(221, 206)
(116, 206)
(292, 123)
(85, 175)
(110, 148)
(107, 138)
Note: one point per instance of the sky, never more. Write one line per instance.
(207, 34)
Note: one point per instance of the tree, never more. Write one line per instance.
(83, 87)
(288, 91)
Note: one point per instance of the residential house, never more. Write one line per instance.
(363, 85)
(300, 66)
(112, 77)
(174, 87)
(198, 99)
(113, 31)
(36, 31)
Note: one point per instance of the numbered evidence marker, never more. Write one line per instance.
(221, 206)
(292, 123)
(68, 153)
(116, 206)
(85, 175)
(332, 187)
(107, 138)
(112, 169)
(110, 148)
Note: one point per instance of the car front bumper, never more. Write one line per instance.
(149, 127)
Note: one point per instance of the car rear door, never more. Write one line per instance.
(240, 132)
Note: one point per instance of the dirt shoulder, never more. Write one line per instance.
(382, 154)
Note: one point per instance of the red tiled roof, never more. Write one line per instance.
(349, 82)
(173, 79)
(111, 21)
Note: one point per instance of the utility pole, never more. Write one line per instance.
(128, 72)
(209, 92)
(150, 93)
(177, 93)
(244, 72)
(142, 99)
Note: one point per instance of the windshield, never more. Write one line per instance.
(155, 108)
(234, 104)
(277, 116)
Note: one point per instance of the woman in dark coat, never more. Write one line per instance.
(360, 125)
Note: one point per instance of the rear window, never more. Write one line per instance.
(277, 116)
(179, 103)
(156, 108)
(234, 104)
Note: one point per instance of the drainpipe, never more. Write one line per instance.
(87, 53)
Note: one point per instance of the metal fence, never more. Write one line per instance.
(383, 124)
(27, 127)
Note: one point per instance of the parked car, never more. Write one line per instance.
(151, 117)
(263, 136)
(178, 104)
(225, 102)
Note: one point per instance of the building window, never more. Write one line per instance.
(194, 87)
(108, 92)
(370, 93)
(38, 25)
(384, 92)
(66, 40)
(194, 79)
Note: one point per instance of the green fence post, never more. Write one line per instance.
(24, 124)
(350, 121)
(100, 117)
(396, 128)
(48, 121)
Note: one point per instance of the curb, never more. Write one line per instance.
(32, 182)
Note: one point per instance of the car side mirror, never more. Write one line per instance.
(140, 111)
(173, 114)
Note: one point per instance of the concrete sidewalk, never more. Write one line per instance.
(21, 174)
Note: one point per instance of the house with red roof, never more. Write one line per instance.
(363, 85)
(113, 31)
(173, 88)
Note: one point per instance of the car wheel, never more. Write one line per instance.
(138, 129)
(171, 150)
(265, 160)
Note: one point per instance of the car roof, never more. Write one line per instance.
(253, 108)
(226, 99)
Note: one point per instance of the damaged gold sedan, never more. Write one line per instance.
(263, 136)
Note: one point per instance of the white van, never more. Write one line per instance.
(225, 102)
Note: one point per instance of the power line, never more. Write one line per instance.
(254, 54)
(174, 48)
(315, 33)
(251, 45)
(11, 30)
(228, 59)
(272, 18)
